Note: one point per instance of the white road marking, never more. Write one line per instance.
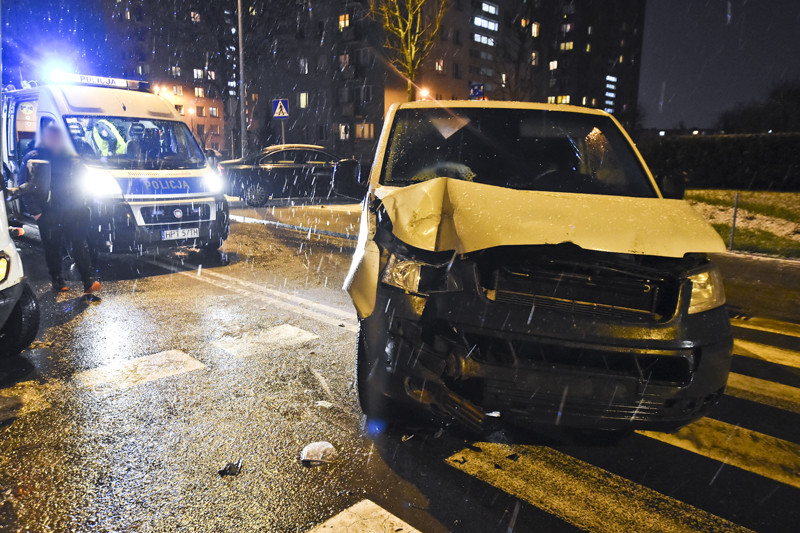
(743, 448)
(365, 517)
(579, 493)
(131, 372)
(770, 326)
(765, 352)
(250, 343)
(303, 306)
(765, 392)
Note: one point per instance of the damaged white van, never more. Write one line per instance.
(520, 259)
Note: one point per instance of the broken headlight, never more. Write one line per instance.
(418, 277)
(707, 290)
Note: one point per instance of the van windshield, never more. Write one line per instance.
(133, 143)
(525, 149)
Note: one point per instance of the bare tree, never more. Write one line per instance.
(412, 28)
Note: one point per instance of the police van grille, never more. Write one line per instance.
(166, 214)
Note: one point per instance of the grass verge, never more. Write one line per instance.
(759, 241)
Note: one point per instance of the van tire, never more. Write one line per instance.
(374, 403)
(22, 325)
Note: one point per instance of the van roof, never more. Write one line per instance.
(87, 100)
(500, 104)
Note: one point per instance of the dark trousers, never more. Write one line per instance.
(57, 226)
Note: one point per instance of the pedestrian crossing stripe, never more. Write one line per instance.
(579, 493)
(765, 352)
(764, 392)
(250, 343)
(365, 517)
(767, 325)
(749, 450)
(128, 373)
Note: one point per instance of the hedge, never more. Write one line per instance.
(747, 162)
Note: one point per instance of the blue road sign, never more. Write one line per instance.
(476, 91)
(280, 108)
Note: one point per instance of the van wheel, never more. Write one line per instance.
(371, 381)
(255, 195)
(22, 325)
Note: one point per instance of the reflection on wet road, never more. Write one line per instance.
(123, 413)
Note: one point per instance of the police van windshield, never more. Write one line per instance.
(133, 143)
(523, 149)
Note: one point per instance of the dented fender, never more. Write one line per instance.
(362, 278)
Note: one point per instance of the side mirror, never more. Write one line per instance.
(672, 186)
(348, 180)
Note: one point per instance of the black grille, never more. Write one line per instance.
(597, 292)
(165, 214)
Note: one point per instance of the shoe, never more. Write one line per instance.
(59, 285)
(92, 288)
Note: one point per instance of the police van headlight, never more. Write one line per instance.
(99, 183)
(213, 182)
(707, 290)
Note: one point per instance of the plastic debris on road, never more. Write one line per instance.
(318, 453)
(232, 469)
(324, 404)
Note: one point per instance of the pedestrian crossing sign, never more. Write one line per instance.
(280, 108)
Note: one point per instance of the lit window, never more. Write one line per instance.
(195, 16)
(302, 100)
(611, 95)
(344, 21)
(365, 131)
(439, 66)
(344, 61)
(127, 15)
(483, 39)
(621, 59)
(199, 92)
(534, 58)
(213, 112)
(567, 27)
(609, 102)
(567, 45)
(551, 99)
(303, 65)
(211, 75)
(488, 7)
(176, 71)
(583, 101)
(201, 111)
(177, 90)
(611, 78)
(254, 97)
(344, 132)
(553, 65)
(589, 30)
(535, 29)
(609, 110)
(179, 109)
(562, 99)
(588, 47)
(482, 22)
(611, 86)
(231, 83)
(524, 22)
(198, 74)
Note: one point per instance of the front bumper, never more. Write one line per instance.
(124, 227)
(465, 355)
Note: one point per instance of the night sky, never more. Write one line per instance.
(709, 62)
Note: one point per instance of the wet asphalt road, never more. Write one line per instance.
(122, 414)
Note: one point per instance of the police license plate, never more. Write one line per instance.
(180, 234)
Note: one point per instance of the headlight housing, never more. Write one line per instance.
(213, 182)
(99, 183)
(708, 291)
(5, 264)
(419, 277)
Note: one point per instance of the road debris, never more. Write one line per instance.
(232, 469)
(323, 404)
(318, 453)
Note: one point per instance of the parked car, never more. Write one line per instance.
(519, 259)
(19, 310)
(282, 171)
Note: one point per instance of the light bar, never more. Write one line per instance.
(99, 81)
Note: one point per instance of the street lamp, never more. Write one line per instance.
(424, 93)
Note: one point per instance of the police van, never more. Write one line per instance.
(145, 177)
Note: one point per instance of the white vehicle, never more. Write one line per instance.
(19, 312)
(146, 178)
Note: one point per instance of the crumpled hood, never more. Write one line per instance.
(449, 214)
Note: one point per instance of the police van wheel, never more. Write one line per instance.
(22, 325)
(255, 195)
(370, 382)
